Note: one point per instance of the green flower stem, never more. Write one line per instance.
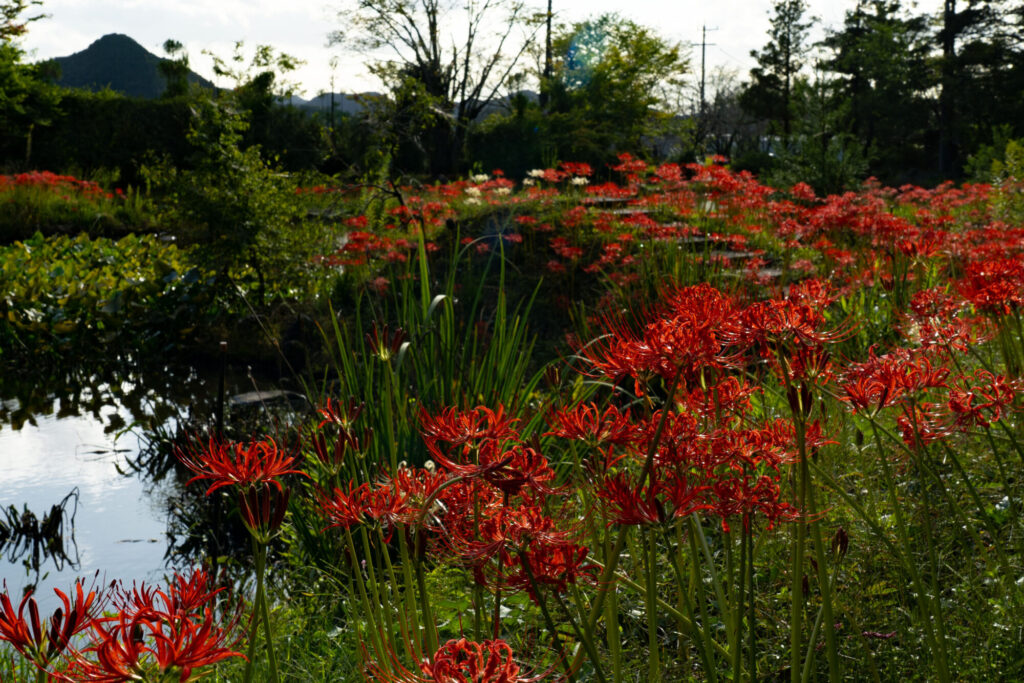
(707, 643)
(370, 608)
(402, 604)
(663, 605)
(611, 617)
(651, 595)
(268, 632)
(831, 647)
(379, 598)
(548, 621)
(751, 611)
(428, 614)
(604, 583)
(736, 604)
(410, 600)
(915, 575)
(260, 551)
(796, 605)
(698, 532)
(254, 621)
(585, 638)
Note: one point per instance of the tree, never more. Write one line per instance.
(174, 69)
(12, 24)
(614, 79)
(980, 75)
(727, 129)
(770, 93)
(28, 97)
(452, 52)
(611, 90)
(883, 79)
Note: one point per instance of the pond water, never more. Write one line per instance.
(95, 443)
(112, 524)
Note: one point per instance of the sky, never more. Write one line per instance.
(300, 28)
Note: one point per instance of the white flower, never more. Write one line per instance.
(473, 191)
(480, 178)
(579, 181)
(529, 182)
(536, 173)
(502, 191)
(473, 201)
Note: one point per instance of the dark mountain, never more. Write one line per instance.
(118, 62)
(343, 104)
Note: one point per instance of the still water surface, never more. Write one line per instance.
(119, 526)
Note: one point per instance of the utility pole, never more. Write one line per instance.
(547, 60)
(703, 50)
(701, 122)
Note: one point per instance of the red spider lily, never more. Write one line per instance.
(982, 401)
(679, 437)
(362, 504)
(529, 550)
(31, 638)
(401, 500)
(554, 564)
(683, 341)
(770, 325)
(521, 467)
(131, 647)
(342, 415)
(167, 632)
(730, 396)
(994, 286)
(467, 428)
(507, 470)
(750, 497)
(883, 380)
(957, 334)
(184, 594)
(627, 505)
(240, 464)
(782, 434)
(459, 661)
(458, 504)
(587, 423)
(934, 303)
(923, 423)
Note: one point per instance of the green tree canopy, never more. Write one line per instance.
(611, 80)
(770, 92)
(881, 62)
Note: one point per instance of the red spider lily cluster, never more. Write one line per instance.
(125, 634)
(64, 185)
(716, 402)
(483, 503)
(458, 661)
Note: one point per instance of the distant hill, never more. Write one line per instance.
(343, 104)
(118, 62)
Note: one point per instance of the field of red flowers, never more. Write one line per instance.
(762, 435)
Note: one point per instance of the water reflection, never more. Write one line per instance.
(107, 433)
(117, 523)
(27, 539)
